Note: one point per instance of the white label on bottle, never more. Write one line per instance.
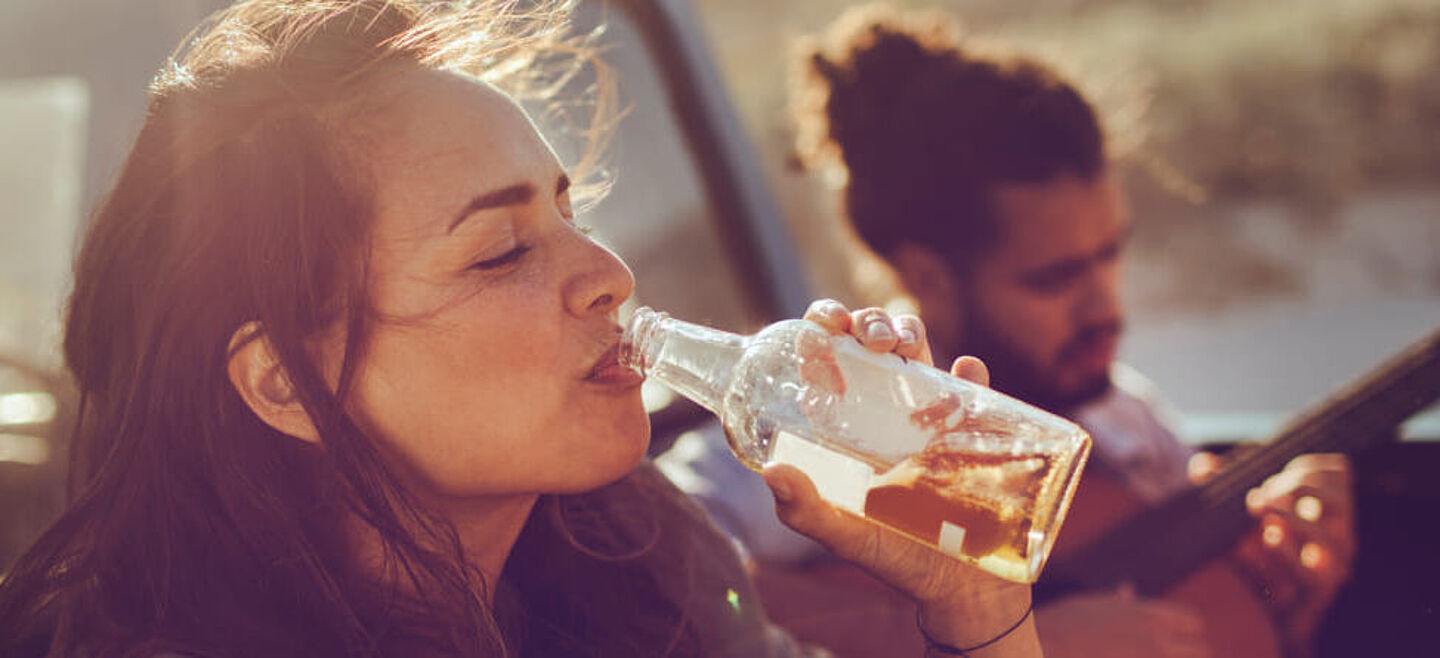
(840, 479)
(952, 538)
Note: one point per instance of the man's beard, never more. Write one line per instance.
(1012, 374)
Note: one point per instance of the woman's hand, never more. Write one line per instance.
(959, 604)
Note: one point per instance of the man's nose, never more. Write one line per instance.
(1100, 299)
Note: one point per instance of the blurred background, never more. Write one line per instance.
(1283, 159)
(1284, 166)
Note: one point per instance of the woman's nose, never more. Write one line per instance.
(601, 285)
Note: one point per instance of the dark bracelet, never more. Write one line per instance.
(941, 647)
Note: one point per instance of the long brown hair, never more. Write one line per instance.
(195, 527)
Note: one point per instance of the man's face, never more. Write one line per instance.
(1042, 306)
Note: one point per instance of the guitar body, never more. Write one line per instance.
(1237, 622)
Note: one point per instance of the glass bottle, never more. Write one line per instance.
(968, 471)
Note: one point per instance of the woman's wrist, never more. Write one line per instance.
(989, 619)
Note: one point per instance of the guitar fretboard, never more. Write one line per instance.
(1350, 420)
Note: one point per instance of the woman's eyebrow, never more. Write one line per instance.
(511, 195)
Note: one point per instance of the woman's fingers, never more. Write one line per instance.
(830, 314)
(799, 505)
(913, 342)
(879, 331)
(921, 572)
(972, 369)
(875, 330)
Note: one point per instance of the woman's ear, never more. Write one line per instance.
(263, 384)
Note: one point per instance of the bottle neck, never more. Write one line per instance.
(696, 361)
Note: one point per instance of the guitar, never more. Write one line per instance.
(1169, 550)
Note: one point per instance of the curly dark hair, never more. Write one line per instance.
(923, 127)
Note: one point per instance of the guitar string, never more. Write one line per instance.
(1310, 433)
(1306, 433)
(1363, 425)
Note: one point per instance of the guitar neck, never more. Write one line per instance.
(1350, 420)
(1160, 546)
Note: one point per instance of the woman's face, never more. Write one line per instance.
(491, 366)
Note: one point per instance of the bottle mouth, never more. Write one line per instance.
(637, 342)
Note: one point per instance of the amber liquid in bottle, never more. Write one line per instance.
(963, 469)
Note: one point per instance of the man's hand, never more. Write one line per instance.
(1302, 551)
(1120, 625)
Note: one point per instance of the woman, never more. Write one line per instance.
(350, 387)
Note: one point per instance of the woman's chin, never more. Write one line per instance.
(636, 442)
(618, 453)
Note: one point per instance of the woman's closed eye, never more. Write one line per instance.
(502, 260)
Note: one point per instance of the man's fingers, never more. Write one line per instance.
(1263, 565)
(1202, 466)
(1280, 536)
(1313, 516)
(1324, 565)
(1328, 472)
(1316, 556)
(1322, 461)
(1317, 496)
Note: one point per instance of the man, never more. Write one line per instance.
(986, 185)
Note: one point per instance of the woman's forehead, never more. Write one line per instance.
(448, 137)
(437, 113)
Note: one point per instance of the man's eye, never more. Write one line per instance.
(1048, 282)
(1045, 286)
(1109, 253)
(502, 260)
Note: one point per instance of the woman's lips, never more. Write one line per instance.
(609, 372)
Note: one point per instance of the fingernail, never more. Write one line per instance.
(878, 331)
(1309, 508)
(1272, 535)
(907, 336)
